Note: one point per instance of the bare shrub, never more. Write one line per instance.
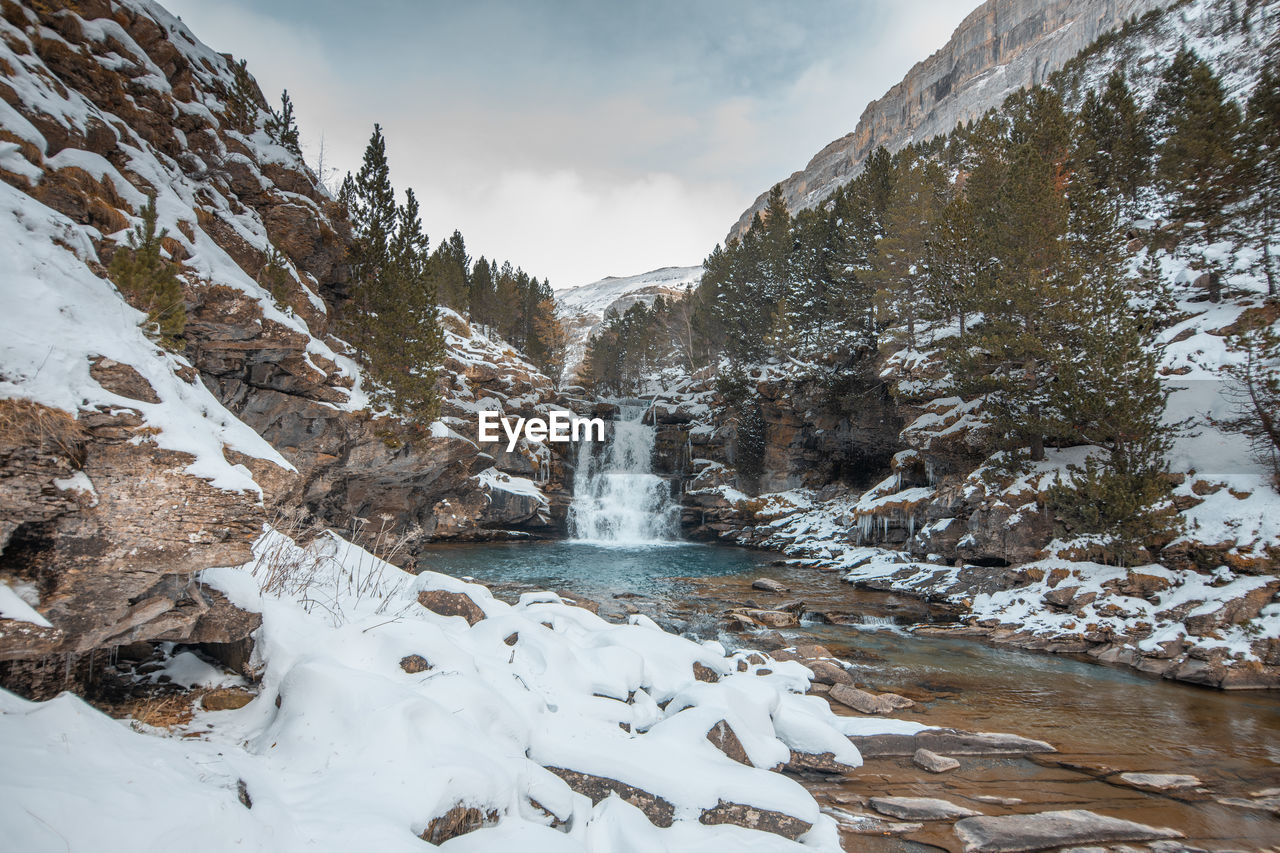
(296, 565)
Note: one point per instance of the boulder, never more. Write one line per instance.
(934, 763)
(702, 672)
(457, 821)
(826, 672)
(722, 737)
(1017, 833)
(920, 808)
(770, 585)
(822, 762)
(596, 788)
(451, 604)
(860, 700)
(413, 664)
(751, 817)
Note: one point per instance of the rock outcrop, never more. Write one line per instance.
(1002, 46)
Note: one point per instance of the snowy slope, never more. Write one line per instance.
(583, 308)
(344, 748)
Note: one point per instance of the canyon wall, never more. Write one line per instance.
(1002, 46)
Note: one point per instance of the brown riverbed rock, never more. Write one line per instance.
(934, 763)
(868, 703)
(920, 808)
(1016, 833)
(949, 742)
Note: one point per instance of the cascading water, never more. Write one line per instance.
(617, 499)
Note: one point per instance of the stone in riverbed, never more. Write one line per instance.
(934, 763)
(772, 618)
(826, 672)
(865, 824)
(948, 742)
(1023, 832)
(920, 808)
(868, 703)
(1158, 781)
(824, 762)
(770, 585)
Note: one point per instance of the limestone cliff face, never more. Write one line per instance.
(1002, 46)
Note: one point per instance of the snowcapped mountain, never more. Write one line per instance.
(583, 308)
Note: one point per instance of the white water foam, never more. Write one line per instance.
(617, 499)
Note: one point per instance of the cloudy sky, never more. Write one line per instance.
(578, 138)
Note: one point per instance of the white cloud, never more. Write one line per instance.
(578, 171)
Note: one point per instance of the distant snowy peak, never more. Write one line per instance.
(599, 296)
(583, 308)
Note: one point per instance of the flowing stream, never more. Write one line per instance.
(617, 499)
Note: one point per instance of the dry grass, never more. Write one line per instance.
(300, 570)
(24, 423)
(167, 711)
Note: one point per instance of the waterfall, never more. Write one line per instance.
(617, 499)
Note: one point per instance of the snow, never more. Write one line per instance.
(362, 755)
(58, 315)
(597, 297)
(13, 605)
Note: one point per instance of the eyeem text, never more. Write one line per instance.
(560, 428)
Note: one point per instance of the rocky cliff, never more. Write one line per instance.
(1002, 46)
(126, 467)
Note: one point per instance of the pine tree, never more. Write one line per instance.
(1107, 391)
(1027, 308)
(149, 281)
(1197, 166)
(1256, 381)
(1131, 143)
(450, 266)
(242, 100)
(281, 127)
(1197, 158)
(901, 269)
(553, 339)
(392, 318)
(483, 292)
(1112, 142)
(1260, 167)
(1170, 98)
(961, 261)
